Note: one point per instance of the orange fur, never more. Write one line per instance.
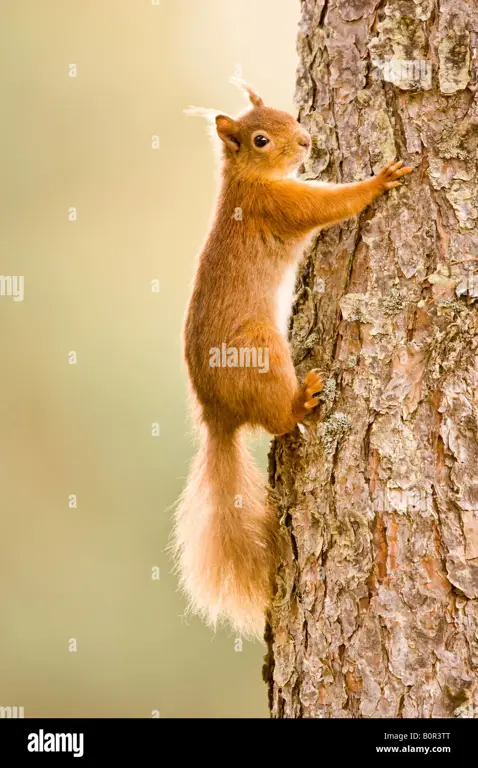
(226, 536)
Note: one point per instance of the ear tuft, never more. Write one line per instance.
(208, 114)
(252, 97)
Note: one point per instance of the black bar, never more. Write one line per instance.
(220, 740)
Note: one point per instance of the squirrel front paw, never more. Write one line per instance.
(387, 178)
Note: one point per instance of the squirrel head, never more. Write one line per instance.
(260, 143)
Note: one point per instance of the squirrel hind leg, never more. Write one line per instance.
(268, 395)
(288, 403)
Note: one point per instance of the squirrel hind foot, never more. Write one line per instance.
(314, 382)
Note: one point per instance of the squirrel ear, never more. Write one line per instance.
(227, 131)
(254, 99)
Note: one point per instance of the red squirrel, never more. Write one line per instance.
(226, 534)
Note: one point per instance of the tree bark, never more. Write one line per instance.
(376, 611)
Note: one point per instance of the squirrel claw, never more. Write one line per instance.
(312, 403)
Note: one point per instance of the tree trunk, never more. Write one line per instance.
(376, 613)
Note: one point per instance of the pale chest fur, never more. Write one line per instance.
(286, 289)
(284, 296)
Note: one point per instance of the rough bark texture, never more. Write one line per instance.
(376, 613)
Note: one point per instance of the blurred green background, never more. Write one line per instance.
(142, 214)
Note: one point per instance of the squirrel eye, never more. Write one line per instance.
(261, 141)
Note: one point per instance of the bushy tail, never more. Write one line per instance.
(226, 538)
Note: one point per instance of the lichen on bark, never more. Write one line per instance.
(376, 611)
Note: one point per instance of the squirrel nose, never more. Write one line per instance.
(304, 141)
